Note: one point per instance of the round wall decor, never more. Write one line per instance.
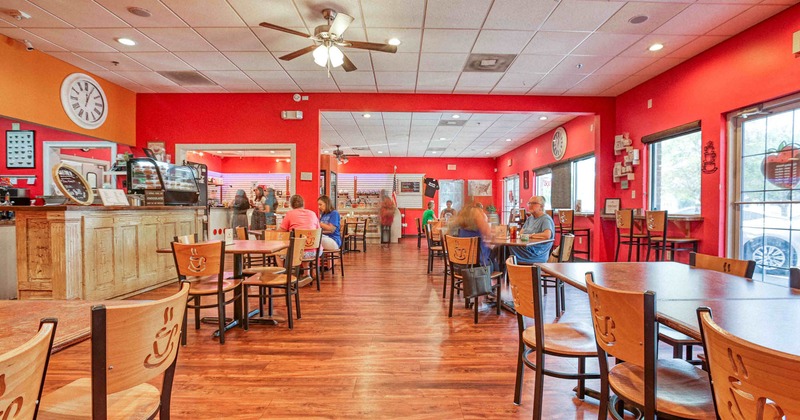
(559, 145)
(72, 184)
(84, 101)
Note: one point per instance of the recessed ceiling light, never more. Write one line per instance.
(638, 19)
(456, 116)
(126, 41)
(272, 151)
(656, 47)
(442, 138)
(366, 115)
(218, 151)
(543, 118)
(579, 66)
(487, 153)
(433, 152)
(508, 139)
(201, 153)
(394, 41)
(138, 11)
(380, 151)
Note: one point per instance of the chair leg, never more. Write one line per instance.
(430, 261)
(452, 295)
(677, 351)
(297, 303)
(538, 383)
(581, 382)
(444, 286)
(197, 312)
(316, 268)
(270, 308)
(246, 307)
(649, 246)
(520, 374)
(499, 296)
(616, 253)
(341, 262)
(289, 307)
(185, 322)
(221, 313)
(630, 248)
(476, 303)
(261, 297)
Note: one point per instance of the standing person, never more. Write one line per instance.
(470, 222)
(258, 220)
(330, 221)
(270, 203)
(428, 214)
(539, 226)
(448, 211)
(387, 217)
(240, 206)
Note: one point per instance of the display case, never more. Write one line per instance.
(177, 182)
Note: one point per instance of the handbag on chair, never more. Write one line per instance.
(477, 281)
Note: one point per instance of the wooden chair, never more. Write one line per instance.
(285, 278)
(420, 234)
(434, 250)
(131, 345)
(679, 341)
(465, 253)
(625, 328)
(203, 266)
(658, 239)
(362, 234)
(351, 227)
(186, 239)
(749, 381)
(331, 255)
(566, 225)
(626, 233)
(562, 254)
(313, 241)
(22, 373)
(563, 339)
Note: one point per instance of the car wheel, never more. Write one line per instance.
(774, 255)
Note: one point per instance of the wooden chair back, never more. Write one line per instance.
(186, 239)
(563, 252)
(274, 235)
(200, 259)
(133, 344)
(419, 226)
(436, 230)
(749, 381)
(313, 237)
(566, 218)
(526, 290)
(741, 268)
(549, 213)
(22, 372)
(624, 219)
(500, 231)
(463, 251)
(294, 254)
(621, 320)
(656, 222)
(241, 233)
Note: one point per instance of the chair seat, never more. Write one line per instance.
(668, 335)
(268, 279)
(682, 390)
(264, 270)
(566, 338)
(74, 401)
(331, 251)
(436, 248)
(208, 285)
(683, 240)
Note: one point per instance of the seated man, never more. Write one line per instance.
(539, 226)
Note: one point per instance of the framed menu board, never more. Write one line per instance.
(72, 184)
(20, 149)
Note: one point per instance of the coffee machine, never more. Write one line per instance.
(16, 196)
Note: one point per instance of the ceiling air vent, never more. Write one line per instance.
(452, 123)
(497, 63)
(436, 149)
(187, 78)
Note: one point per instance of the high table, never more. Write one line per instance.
(763, 313)
(506, 243)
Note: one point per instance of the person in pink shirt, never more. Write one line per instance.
(299, 217)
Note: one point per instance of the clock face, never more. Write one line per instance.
(84, 101)
(559, 143)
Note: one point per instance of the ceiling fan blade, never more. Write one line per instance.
(298, 53)
(348, 65)
(282, 29)
(373, 46)
(340, 24)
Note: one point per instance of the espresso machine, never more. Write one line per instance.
(10, 196)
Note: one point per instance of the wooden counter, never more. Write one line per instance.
(94, 253)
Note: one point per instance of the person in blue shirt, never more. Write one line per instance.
(470, 222)
(539, 226)
(330, 222)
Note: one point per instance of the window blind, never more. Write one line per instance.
(672, 132)
(561, 194)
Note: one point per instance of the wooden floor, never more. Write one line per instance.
(375, 344)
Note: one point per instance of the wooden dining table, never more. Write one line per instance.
(763, 313)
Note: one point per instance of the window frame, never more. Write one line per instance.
(574, 179)
(652, 141)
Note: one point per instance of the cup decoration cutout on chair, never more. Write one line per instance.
(604, 327)
(562, 217)
(15, 406)
(459, 253)
(620, 220)
(166, 339)
(651, 222)
(196, 264)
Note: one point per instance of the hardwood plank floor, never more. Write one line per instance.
(375, 344)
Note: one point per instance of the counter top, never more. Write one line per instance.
(676, 218)
(98, 208)
(7, 223)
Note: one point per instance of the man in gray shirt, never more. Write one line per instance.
(539, 226)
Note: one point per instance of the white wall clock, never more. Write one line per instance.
(559, 143)
(84, 101)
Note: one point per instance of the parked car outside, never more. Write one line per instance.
(769, 240)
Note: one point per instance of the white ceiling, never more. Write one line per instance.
(433, 134)
(270, 153)
(222, 39)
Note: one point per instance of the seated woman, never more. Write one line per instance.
(470, 222)
(538, 226)
(329, 221)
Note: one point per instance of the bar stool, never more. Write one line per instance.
(566, 222)
(626, 233)
(656, 225)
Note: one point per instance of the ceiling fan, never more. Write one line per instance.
(327, 40)
(341, 156)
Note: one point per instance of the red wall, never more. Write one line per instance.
(213, 163)
(752, 67)
(255, 165)
(466, 169)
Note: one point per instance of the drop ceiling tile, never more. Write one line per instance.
(361, 59)
(411, 39)
(161, 16)
(205, 13)
(508, 14)
(206, 89)
(442, 62)
(311, 77)
(580, 64)
(354, 78)
(660, 66)
(626, 65)
(558, 81)
(81, 13)
(110, 36)
(253, 60)
(747, 19)
(39, 43)
(146, 78)
(393, 13)
(441, 80)
(39, 17)
(578, 15)
(394, 62)
(311, 12)
(77, 61)
(107, 60)
(358, 88)
(72, 39)
(501, 42)
(425, 116)
(397, 117)
(396, 78)
(160, 61)
(206, 60)
(242, 87)
(448, 40)
(698, 18)
(280, 12)
(605, 44)
(456, 13)
(473, 90)
(227, 77)
(283, 87)
(600, 82)
(626, 85)
(171, 89)
(232, 39)
(318, 87)
(696, 46)
(671, 43)
(534, 63)
(281, 41)
(657, 14)
(485, 80)
(178, 39)
(554, 43)
(115, 78)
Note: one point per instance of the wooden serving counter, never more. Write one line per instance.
(94, 253)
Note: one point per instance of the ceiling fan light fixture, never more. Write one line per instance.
(336, 55)
(321, 56)
(394, 41)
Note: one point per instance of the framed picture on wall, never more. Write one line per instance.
(158, 149)
(612, 205)
(526, 180)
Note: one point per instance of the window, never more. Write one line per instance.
(544, 184)
(583, 185)
(675, 173)
(511, 196)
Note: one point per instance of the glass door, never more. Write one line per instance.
(451, 190)
(766, 211)
(510, 197)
